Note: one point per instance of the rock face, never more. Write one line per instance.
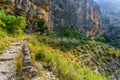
(82, 15)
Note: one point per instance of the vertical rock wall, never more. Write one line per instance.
(82, 15)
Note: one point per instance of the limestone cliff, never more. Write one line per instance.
(82, 15)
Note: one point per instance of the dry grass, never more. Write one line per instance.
(19, 66)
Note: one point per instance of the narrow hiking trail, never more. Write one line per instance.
(7, 61)
(8, 64)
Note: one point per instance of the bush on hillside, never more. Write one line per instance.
(66, 33)
(11, 23)
(100, 39)
(42, 28)
(69, 33)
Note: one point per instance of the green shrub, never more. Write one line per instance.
(100, 39)
(1, 23)
(69, 33)
(11, 23)
(8, 19)
(42, 28)
(66, 33)
(39, 55)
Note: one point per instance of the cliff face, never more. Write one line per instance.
(82, 15)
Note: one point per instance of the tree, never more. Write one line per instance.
(42, 28)
(11, 23)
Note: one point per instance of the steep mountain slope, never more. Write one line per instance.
(65, 55)
(90, 55)
(82, 15)
(111, 20)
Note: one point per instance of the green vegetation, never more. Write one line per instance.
(42, 28)
(69, 33)
(69, 58)
(66, 39)
(12, 24)
(68, 53)
(100, 39)
(63, 67)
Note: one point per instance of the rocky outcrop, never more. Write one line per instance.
(82, 15)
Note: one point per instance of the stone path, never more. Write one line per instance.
(7, 62)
